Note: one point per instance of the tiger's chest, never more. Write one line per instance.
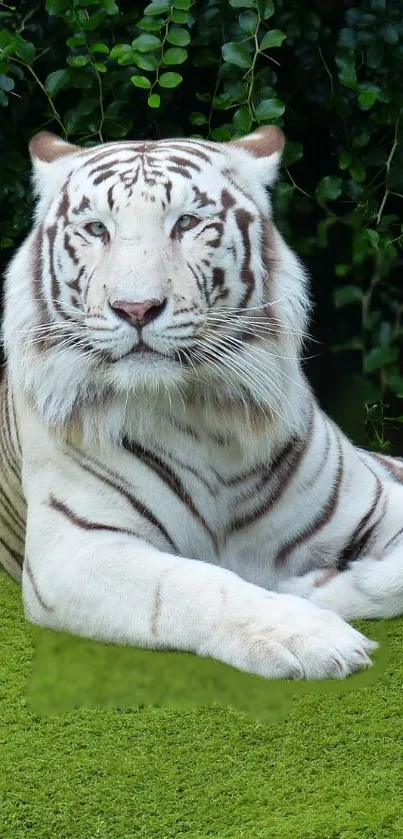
(218, 503)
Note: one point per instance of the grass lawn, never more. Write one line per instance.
(209, 752)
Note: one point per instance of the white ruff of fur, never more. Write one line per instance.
(64, 382)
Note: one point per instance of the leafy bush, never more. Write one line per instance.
(328, 72)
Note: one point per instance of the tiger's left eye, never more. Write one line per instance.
(186, 222)
(96, 228)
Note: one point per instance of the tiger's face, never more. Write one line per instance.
(151, 261)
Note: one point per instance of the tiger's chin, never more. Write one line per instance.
(145, 370)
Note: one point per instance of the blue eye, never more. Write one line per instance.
(186, 222)
(96, 228)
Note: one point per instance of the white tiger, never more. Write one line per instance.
(169, 479)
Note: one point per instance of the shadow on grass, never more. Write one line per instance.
(70, 673)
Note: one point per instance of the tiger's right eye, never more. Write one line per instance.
(96, 228)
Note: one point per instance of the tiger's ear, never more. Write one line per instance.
(52, 161)
(266, 146)
(46, 147)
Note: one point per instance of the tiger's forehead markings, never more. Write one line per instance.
(84, 204)
(155, 163)
(203, 200)
(64, 205)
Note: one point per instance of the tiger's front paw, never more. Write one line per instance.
(286, 637)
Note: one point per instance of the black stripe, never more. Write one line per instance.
(170, 478)
(134, 502)
(395, 470)
(30, 575)
(323, 518)
(86, 524)
(282, 469)
(399, 533)
(192, 471)
(15, 423)
(361, 536)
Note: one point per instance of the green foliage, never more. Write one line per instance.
(330, 74)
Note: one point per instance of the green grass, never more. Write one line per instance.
(79, 760)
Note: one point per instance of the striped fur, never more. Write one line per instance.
(169, 480)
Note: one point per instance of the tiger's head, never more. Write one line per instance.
(153, 266)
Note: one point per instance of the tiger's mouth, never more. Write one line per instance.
(145, 349)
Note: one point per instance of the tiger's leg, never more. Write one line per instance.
(372, 585)
(119, 588)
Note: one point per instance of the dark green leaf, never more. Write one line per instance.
(269, 109)
(170, 80)
(146, 42)
(390, 34)
(345, 160)
(380, 357)
(76, 41)
(357, 171)
(242, 4)
(174, 55)
(375, 55)
(369, 93)
(87, 106)
(77, 60)
(265, 8)
(102, 48)
(25, 50)
(284, 190)
(119, 50)
(141, 81)
(242, 120)
(56, 7)
(372, 236)
(157, 7)
(178, 36)
(222, 134)
(223, 101)
(154, 100)
(179, 16)
(182, 4)
(197, 118)
(329, 188)
(292, 153)
(273, 38)
(146, 62)
(237, 54)
(6, 83)
(248, 21)
(347, 37)
(110, 7)
(151, 24)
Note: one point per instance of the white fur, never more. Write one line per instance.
(224, 595)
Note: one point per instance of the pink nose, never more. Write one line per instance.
(139, 314)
